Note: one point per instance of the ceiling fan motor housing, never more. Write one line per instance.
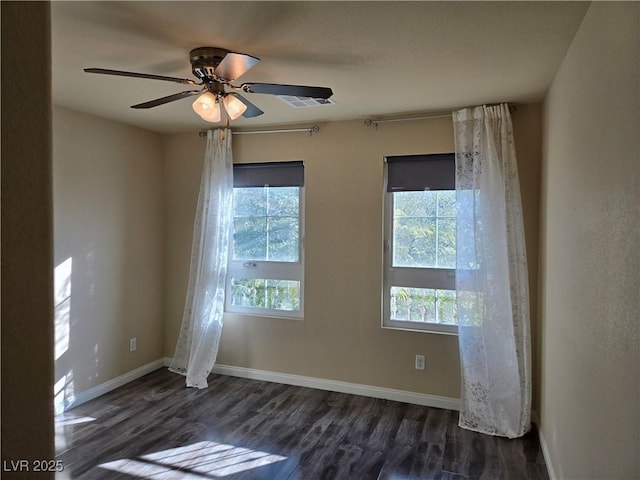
(204, 61)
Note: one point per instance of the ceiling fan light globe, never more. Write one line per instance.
(234, 107)
(206, 106)
(214, 115)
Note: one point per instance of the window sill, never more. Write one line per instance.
(273, 316)
(437, 329)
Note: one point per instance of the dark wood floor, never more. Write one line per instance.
(155, 428)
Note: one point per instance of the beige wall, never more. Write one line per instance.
(340, 337)
(590, 262)
(27, 369)
(108, 248)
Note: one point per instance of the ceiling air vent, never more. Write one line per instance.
(303, 102)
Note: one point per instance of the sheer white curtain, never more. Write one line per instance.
(491, 276)
(199, 337)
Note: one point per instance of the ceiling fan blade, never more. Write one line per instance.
(234, 65)
(121, 73)
(252, 110)
(293, 90)
(163, 100)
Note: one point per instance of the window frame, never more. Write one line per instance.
(410, 277)
(269, 270)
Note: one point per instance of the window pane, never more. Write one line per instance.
(250, 238)
(266, 224)
(424, 229)
(446, 203)
(447, 307)
(446, 249)
(283, 239)
(423, 305)
(249, 202)
(265, 293)
(409, 204)
(283, 201)
(414, 242)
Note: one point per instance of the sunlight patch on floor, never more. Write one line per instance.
(193, 462)
(64, 426)
(69, 419)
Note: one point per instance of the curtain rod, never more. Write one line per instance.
(369, 122)
(310, 130)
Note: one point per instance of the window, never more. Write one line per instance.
(265, 274)
(420, 243)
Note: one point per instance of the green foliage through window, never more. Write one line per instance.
(424, 305)
(424, 229)
(265, 293)
(266, 224)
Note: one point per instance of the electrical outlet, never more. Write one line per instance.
(419, 362)
(132, 344)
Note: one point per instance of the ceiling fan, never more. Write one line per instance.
(216, 68)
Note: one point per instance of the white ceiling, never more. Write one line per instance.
(380, 58)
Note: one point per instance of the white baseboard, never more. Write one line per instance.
(341, 387)
(95, 392)
(275, 377)
(545, 453)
